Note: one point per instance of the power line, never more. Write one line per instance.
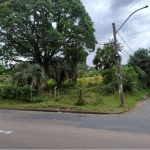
(124, 50)
(125, 42)
(124, 54)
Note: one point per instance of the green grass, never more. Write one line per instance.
(95, 101)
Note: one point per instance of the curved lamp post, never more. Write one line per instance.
(120, 86)
(130, 16)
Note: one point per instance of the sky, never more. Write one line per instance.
(135, 32)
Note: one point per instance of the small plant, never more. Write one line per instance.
(68, 83)
(80, 101)
(15, 92)
(130, 79)
(107, 89)
(39, 99)
(82, 82)
(51, 84)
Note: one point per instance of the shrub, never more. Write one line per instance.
(130, 79)
(82, 82)
(51, 84)
(109, 76)
(80, 102)
(107, 88)
(109, 82)
(14, 92)
(68, 83)
(2, 79)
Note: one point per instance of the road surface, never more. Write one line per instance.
(47, 130)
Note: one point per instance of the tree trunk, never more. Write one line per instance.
(74, 73)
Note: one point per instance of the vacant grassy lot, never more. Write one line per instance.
(67, 97)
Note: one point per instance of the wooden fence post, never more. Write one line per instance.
(55, 92)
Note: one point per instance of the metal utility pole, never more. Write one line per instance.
(118, 68)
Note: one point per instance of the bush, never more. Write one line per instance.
(80, 102)
(130, 79)
(109, 82)
(109, 76)
(68, 83)
(89, 81)
(82, 82)
(51, 84)
(107, 88)
(93, 73)
(14, 92)
(2, 79)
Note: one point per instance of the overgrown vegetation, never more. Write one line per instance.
(43, 50)
(87, 95)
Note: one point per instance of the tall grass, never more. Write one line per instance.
(94, 100)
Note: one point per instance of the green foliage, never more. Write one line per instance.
(14, 92)
(39, 99)
(82, 69)
(82, 82)
(107, 88)
(2, 1)
(80, 102)
(109, 76)
(140, 61)
(68, 84)
(51, 84)
(106, 104)
(29, 74)
(2, 70)
(104, 58)
(40, 30)
(109, 82)
(99, 100)
(92, 73)
(130, 79)
(89, 82)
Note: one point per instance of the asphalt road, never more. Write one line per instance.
(47, 130)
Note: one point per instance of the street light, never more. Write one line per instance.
(130, 16)
(120, 86)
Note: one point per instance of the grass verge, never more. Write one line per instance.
(94, 102)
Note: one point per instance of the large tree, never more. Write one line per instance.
(2, 1)
(140, 60)
(39, 30)
(104, 58)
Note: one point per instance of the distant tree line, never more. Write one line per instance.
(136, 73)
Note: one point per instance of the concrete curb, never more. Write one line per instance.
(65, 111)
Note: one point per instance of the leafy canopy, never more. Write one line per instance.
(140, 61)
(40, 30)
(104, 58)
